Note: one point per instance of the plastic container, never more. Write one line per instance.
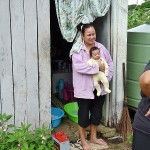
(56, 115)
(138, 55)
(68, 92)
(61, 142)
(60, 88)
(72, 111)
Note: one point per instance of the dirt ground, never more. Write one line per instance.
(108, 134)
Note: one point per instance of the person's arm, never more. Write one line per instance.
(145, 83)
(145, 86)
(81, 66)
(90, 62)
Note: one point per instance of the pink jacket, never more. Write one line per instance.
(82, 72)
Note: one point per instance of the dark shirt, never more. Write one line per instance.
(142, 122)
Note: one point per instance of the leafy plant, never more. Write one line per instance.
(138, 15)
(21, 138)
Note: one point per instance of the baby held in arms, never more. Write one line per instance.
(101, 76)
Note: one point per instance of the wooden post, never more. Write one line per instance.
(31, 40)
(119, 14)
(19, 60)
(43, 10)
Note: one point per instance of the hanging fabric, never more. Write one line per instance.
(72, 12)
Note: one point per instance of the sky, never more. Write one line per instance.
(130, 2)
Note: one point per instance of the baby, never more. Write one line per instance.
(100, 76)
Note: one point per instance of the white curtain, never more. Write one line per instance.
(72, 12)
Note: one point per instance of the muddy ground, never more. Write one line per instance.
(108, 134)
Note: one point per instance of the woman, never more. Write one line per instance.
(141, 124)
(84, 91)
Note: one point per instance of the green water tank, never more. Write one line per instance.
(138, 54)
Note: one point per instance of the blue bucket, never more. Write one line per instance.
(56, 115)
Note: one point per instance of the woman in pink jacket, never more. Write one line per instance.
(90, 105)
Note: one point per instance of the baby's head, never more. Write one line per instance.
(95, 53)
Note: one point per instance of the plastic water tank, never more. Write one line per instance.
(138, 54)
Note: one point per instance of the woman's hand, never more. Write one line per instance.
(101, 67)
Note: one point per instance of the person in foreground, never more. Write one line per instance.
(100, 76)
(141, 124)
(84, 91)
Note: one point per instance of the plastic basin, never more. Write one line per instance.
(56, 115)
(72, 111)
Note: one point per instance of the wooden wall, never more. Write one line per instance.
(25, 86)
(112, 32)
(118, 34)
(25, 72)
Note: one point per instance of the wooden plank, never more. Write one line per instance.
(31, 62)
(106, 41)
(0, 97)
(19, 60)
(6, 78)
(119, 12)
(43, 8)
(102, 26)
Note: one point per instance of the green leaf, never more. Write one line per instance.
(51, 144)
(12, 139)
(31, 147)
(8, 117)
(11, 126)
(28, 126)
(25, 145)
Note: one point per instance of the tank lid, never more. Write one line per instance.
(144, 28)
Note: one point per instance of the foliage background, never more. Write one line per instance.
(138, 14)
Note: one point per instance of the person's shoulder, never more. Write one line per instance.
(99, 45)
(79, 53)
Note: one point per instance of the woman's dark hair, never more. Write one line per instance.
(81, 27)
(93, 49)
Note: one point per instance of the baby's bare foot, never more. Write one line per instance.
(108, 91)
(99, 93)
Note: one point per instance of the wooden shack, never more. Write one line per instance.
(25, 59)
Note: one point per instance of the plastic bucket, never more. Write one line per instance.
(56, 115)
(72, 111)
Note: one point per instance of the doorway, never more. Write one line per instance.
(60, 61)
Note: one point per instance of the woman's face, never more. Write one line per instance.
(89, 36)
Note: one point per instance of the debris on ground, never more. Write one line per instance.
(110, 135)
